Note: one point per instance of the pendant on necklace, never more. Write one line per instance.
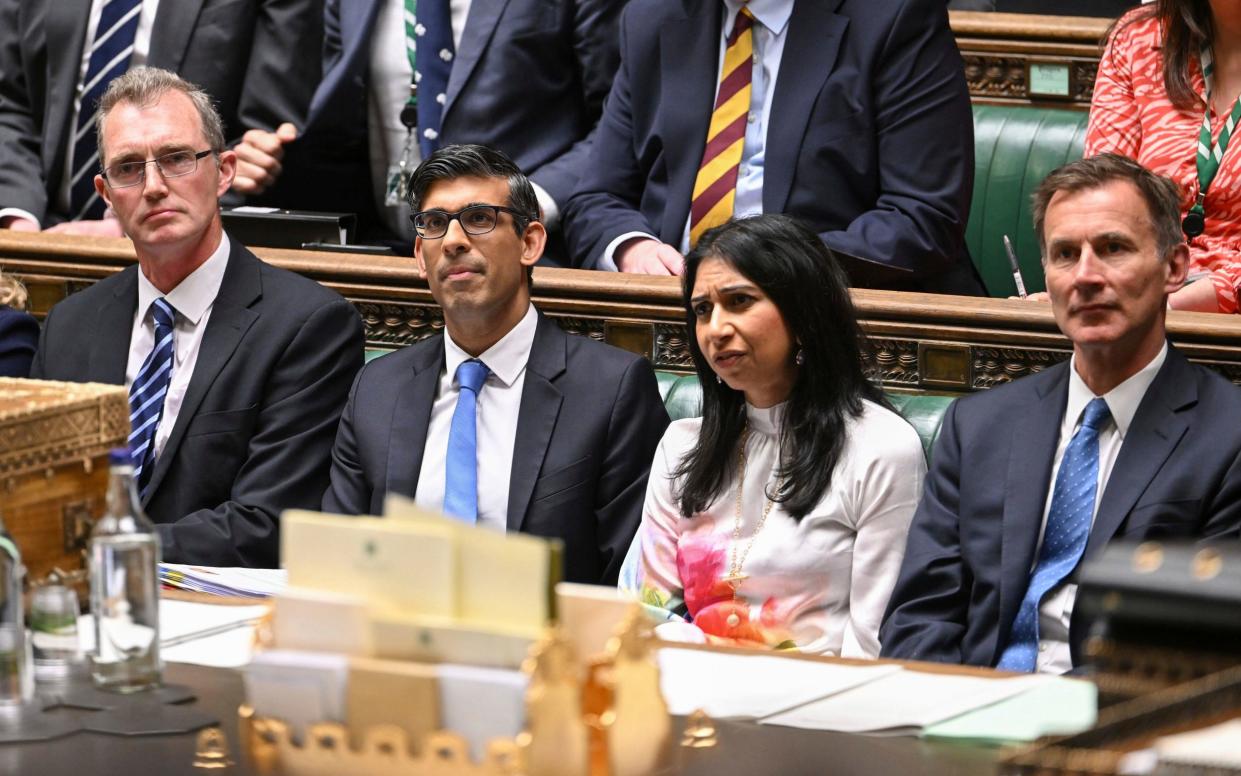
(733, 620)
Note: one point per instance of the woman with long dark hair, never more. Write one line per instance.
(779, 516)
(1169, 84)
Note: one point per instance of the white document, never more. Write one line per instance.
(753, 686)
(190, 632)
(300, 688)
(904, 702)
(244, 583)
(481, 703)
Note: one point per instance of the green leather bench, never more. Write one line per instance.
(1015, 147)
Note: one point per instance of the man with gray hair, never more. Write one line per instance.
(237, 371)
(1127, 440)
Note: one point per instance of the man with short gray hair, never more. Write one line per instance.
(237, 371)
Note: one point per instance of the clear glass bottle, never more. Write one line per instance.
(124, 587)
(16, 675)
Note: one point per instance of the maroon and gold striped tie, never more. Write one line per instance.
(715, 188)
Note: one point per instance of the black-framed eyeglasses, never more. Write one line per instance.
(124, 174)
(475, 220)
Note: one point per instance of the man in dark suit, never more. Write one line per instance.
(855, 116)
(503, 420)
(527, 77)
(1126, 441)
(237, 371)
(258, 59)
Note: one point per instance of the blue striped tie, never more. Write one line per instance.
(1064, 539)
(109, 57)
(461, 464)
(146, 395)
(433, 55)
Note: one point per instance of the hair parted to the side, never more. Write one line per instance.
(476, 161)
(12, 292)
(800, 275)
(144, 86)
(1186, 25)
(1161, 194)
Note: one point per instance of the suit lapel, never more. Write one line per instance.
(170, 34)
(540, 406)
(231, 318)
(1153, 435)
(411, 416)
(114, 326)
(814, 36)
(65, 32)
(1035, 434)
(479, 27)
(689, 72)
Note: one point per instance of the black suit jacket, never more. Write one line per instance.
(19, 334)
(589, 423)
(973, 539)
(869, 139)
(258, 59)
(255, 429)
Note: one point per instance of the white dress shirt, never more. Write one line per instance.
(142, 47)
(390, 75)
(769, 33)
(497, 410)
(1122, 401)
(193, 299)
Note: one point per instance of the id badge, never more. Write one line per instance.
(396, 184)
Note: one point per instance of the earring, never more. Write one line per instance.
(800, 357)
(719, 380)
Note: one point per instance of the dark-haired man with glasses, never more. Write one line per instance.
(504, 420)
(237, 371)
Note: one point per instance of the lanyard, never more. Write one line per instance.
(409, 113)
(1210, 154)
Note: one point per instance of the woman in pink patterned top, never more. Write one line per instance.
(1150, 97)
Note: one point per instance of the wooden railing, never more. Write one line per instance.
(921, 342)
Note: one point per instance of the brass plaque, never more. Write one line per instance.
(637, 338)
(944, 365)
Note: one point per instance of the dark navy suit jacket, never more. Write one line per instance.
(529, 78)
(256, 425)
(589, 423)
(972, 542)
(870, 137)
(19, 334)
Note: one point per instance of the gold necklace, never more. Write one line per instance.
(735, 577)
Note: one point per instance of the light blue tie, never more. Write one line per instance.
(461, 466)
(146, 395)
(1064, 540)
(110, 52)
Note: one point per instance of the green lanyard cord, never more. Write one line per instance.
(1210, 154)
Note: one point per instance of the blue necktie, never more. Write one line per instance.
(433, 55)
(461, 466)
(109, 57)
(1064, 539)
(146, 395)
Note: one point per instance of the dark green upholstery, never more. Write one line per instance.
(924, 411)
(1015, 147)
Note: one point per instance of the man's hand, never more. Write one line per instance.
(1037, 296)
(649, 257)
(104, 227)
(258, 158)
(18, 224)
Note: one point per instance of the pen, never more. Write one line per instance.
(1012, 262)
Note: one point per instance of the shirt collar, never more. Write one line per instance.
(1122, 401)
(772, 14)
(507, 358)
(194, 295)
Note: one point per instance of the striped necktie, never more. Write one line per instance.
(715, 188)
(1064, 538)
(109, 57)
(146, 395)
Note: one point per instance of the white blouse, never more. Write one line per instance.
(820, 585)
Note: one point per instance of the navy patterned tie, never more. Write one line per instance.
(146, 395)
(109, 57)
(461, 464)
(433, 57)
(1064, 539)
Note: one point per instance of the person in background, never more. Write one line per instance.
(19, 332)
(258, 59)
(1168, 83)
(1124, 441)
(778, 517)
